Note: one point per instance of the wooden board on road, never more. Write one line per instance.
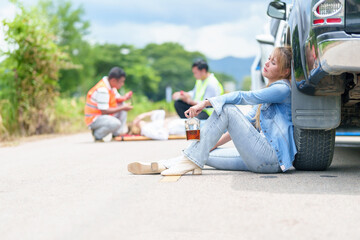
(143, 138)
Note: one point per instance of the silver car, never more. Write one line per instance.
(325, 39)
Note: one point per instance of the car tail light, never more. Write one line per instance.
(327, 8)
(319, 21)
(328, 12)
(333, 20)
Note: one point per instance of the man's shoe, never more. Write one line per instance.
(146, 168)
(184, 166)
(96, 139)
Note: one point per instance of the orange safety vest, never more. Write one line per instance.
(91, 109)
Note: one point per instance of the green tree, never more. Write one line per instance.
(223, 77)
(173, 64)
(30, 72)
(141, 78)
(70, 28)
(246, 84)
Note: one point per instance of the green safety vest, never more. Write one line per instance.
(201, 86)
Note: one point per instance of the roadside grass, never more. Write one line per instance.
(142, 104)
(69, 112)
(69, 115)
(68, 118)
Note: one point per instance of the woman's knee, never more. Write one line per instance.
(231, 110)
(227, 108)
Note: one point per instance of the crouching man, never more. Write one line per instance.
(105, 109)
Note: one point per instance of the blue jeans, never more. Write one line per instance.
(252, 152)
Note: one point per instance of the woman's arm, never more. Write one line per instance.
(275, 93)
(224, 139)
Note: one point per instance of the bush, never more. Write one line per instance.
(69, 115)
(29, 78)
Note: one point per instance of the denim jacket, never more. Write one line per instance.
(275, 116)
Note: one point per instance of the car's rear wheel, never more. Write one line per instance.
(315, 149)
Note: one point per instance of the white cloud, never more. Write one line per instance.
(227, 39)
(215, 41)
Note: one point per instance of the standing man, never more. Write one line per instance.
(206, 86)
(105, 110)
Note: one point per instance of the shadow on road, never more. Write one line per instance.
(342, 177)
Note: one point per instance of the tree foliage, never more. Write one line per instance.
(246, 84)
(141, 78)
(49, 54)
(70, 28)
(223, 77)
(173, 63)
(30, 72)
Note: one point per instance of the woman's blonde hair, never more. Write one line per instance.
(283, 56)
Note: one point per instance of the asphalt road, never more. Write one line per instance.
(71, 188)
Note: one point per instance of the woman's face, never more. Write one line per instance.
(272, 69)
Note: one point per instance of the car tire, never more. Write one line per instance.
(315, 149)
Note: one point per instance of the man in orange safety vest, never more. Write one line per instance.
(105, 109)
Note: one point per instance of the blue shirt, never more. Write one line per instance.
(275, 116)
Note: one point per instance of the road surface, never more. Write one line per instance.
(72, 188)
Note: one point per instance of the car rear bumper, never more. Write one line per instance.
(339, 52)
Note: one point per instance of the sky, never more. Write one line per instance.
(217, 28)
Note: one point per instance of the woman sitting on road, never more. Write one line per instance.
(263, 138)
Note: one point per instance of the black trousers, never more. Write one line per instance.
(181, 107)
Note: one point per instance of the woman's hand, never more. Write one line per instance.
(196, 109)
